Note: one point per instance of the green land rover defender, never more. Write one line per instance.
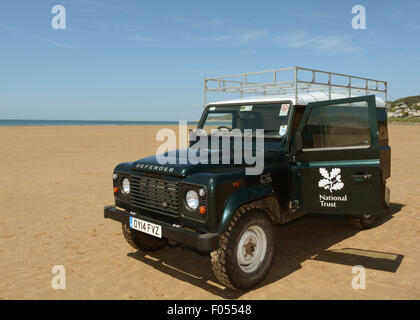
(325, 151)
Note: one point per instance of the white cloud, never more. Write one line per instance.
(327, 43)
(323, 43)
(177, 19)
(95, 6)
(244, 38)
(326, 18)
(397, 15)
(214, 22)
(141, 39)
(415, 27)
(58, 44)
(200, 71)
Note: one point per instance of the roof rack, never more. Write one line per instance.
(294, 81)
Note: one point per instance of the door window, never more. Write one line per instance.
(337, 126)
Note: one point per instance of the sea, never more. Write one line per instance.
(29, 123)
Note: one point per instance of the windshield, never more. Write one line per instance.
(273, 118)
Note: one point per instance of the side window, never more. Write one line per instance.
(337, 126)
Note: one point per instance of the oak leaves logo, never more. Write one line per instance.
(330, 181)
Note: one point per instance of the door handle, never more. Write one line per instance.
(362, 176)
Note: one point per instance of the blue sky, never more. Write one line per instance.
(145, 60)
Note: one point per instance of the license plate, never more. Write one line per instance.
(146, 227)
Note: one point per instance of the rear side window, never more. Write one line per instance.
(337, 126)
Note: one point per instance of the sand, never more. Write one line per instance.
(56, 180)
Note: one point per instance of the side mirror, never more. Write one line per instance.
(298, 142)
(191, 136)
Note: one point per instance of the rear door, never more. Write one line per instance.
(338, 170)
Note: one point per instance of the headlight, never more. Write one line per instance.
(191, 199)
(126, 186)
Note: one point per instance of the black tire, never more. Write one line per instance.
(224, 260)
(362, 222)
(141, 241)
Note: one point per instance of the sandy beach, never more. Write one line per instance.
(55, 182)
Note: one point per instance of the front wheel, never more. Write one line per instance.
(246, 249)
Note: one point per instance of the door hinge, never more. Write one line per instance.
(294, 205)
(291, 158)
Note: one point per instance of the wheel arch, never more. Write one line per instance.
(261, 197)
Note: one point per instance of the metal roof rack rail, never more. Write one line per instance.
(294, 81)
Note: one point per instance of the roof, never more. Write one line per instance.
(303, 99)
(297, 84)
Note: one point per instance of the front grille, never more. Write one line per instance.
(155, 194)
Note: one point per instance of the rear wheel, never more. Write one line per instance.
(141, 241)
(246, 249)
(364, 221)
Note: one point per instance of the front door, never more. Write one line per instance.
(338, 170)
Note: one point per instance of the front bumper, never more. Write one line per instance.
(201, 241)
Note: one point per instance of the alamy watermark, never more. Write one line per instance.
(359, 20)
(248, 147)
(59, 20)
(58, 282)
(359, 280)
